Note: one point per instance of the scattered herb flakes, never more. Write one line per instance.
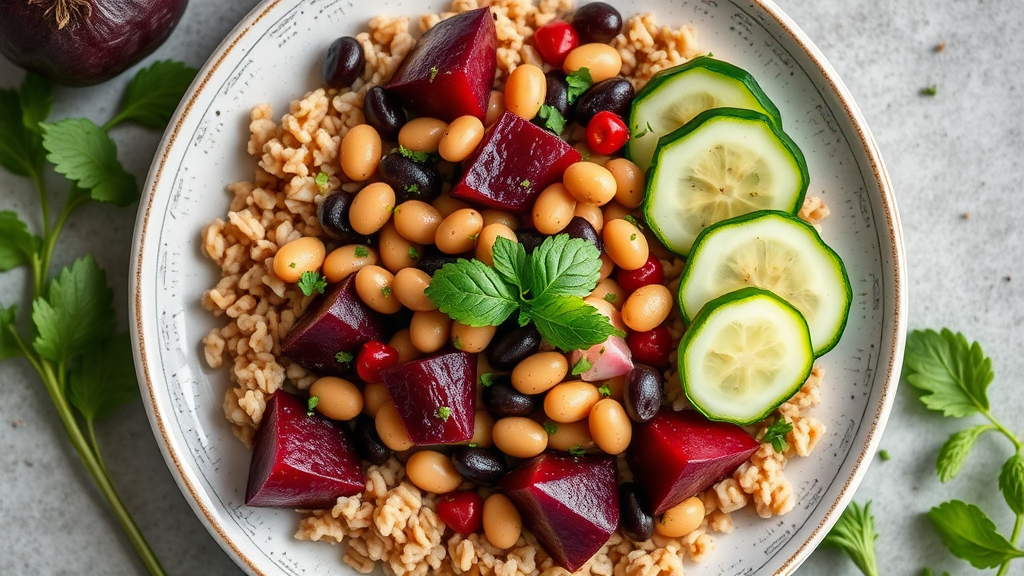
(473, 445)
(385, 291)
(322, 179)
(361, 252)
(550, 427)
(636, 223)
(411, 189)
(581, 366)
(609, 297)
(576, 451)
(311, 404)
(579, 81)
(632, 237)
(524, 184)
(433, 73)
(776, 435)
(312, 282)
(420, 157)
(443, 413)
(931, 90)
(884, 455)
(486, 379)
(344, 357)
(605, 391)
(414, 253)
(552, 118)
(457, 343)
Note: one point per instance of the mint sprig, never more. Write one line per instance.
(546, 287)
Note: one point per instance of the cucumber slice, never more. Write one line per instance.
(677, 95)
(777, 252)
(747, 352)
(723, 163)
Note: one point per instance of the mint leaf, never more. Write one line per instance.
(552, 118)
(579, 81)
(76, 313)
(563, 266)
(104, 378)
(776, 435)
(21, 152)
(581, 366)
(8, 346)
(509, 261)
(36, 101)
(855, 535)
(154, 93)
(84, 153)
(472, 293)
(312, 283)
(17, 246)
(1011, 483)
(951, 374)
(970, 535)
(570, 324)
(954, 451)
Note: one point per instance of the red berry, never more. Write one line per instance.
(373, 357)
(650, 273)
(463, 511)
(554, 41)
(652, 347)
(606, 133)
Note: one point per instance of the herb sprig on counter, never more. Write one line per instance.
(952, 377)
(547, 287)
(70, 337)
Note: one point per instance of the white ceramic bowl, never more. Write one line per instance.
(273, 56)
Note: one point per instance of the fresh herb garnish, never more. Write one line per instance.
(855, 535)
(414, 253)
(472, 444)
(553, 119)
(578, 82)
(550, 427)
(636, 223)
(311, 404)
(411, 189)
(361, 252)
(546, 287)
(443, 413)
(85, 365)
(581, 366)
(321, 181)
(487, 378)
(576, 451)
(930, 90)
(776, 435)
(609, 297)
(312, 283)
(385, 291)
(344, 357)
(524, 184)
(433, 73)
(420, 157)
(457, 343)
(605, 390)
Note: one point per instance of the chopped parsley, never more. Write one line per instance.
(311, 404)
(776, 435)
(312, 283)
(321, 181)
(552, 118)
(487, 378)
(609, 297)
(362, 252)
(344, 357)
(414, 253)
(581, 366)
(386, 291)
(433, 73)
(411, 188)
(576, 451)
(524, 184)
(550, 427)
(579, 81)
(457, 343)
(420, 157)
(443, 413)
(605, 391)
(632, 237)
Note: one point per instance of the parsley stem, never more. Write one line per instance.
(44, 201)
(1017, 526)
(42, 271)
(999, 426)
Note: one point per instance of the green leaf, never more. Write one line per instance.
(443, 413)
(509, 261)
(311, 404)
(776, 435)
(85, 154)
(154, 94)
(970, 535)
(578, 82)
(104, 379)
(928, 572)
(472, 293)
(36, 101)
(419, 157)
(550, 427)
(553, 119)
(311, 282)
(17, 246)
(486, 379)
(76, 313)
(20, 149)
(1011, 483)
(8, 346)
(570, 324)
(581, 366)
(855, 535)
(951, 374)
(576, 451)
(344, 357)
(563, 266)
(954, 451)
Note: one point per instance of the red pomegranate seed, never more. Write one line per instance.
(650, 273)
(463, 511)
(554, 41)
(652, 347)
(606, 133)
(372, 357)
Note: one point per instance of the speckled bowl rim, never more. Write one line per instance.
(174, 455)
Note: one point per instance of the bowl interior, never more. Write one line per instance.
(273, 56)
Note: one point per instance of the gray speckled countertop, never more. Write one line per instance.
(955, 162)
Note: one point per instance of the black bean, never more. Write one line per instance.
(557, 95)
(333, 216)
(479, 464)
(580, 227)
(614, 95)
(643, 392)
(634, 519)
(512, 344)
(344, 62)
(367, 442)
(383, 111)
(411, 180)
(530, 238)
(431, 259)
(504, 400)
(597, 22)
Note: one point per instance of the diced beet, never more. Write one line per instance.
(570, 504)
(450, 70)
(337, 322)
(300, 460)
(678, 454)
(513, 164)
(435, 396)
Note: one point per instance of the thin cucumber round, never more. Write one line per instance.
(746, 353)
(724, 163)
(677, 95)
(774, 251)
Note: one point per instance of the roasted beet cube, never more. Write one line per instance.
(570, 504)
(435, 396)
(678, 454)
(450, 70)
(337, 322)
(513, 164)
(300, 460)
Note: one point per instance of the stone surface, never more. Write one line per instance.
(954, 160)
